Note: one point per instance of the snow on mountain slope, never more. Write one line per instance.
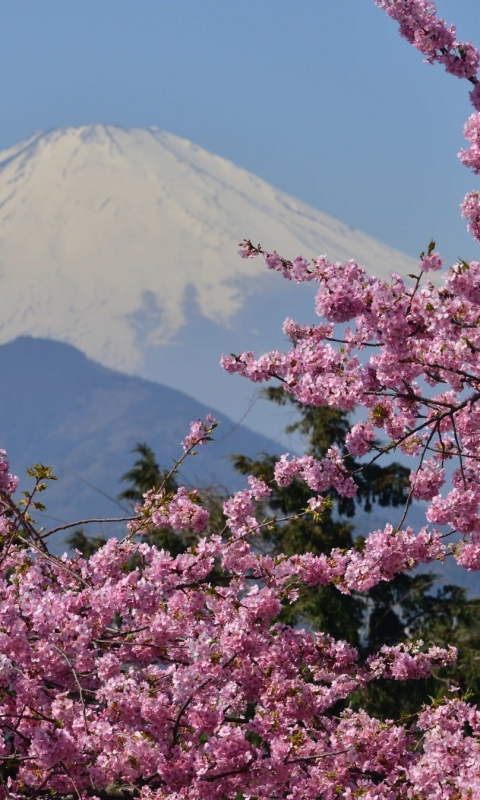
(105, 233)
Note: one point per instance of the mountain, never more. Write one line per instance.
(59, 408)
(123, 243)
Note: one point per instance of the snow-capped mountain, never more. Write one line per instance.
(123, 243)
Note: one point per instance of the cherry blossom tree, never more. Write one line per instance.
(133, 674)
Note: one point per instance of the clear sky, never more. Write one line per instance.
(322, 99)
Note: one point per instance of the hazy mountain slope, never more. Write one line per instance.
(59, 408)
(103, 231)
(64, 410)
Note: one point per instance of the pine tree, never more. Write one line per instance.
(324, 608)
(410, 607)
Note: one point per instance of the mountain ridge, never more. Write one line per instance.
(62, 409)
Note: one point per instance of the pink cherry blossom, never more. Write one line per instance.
(136, 674)
(199, 432)
(8, 482)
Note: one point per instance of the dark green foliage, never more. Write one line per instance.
(325, 427)
(87, 545)
(324, 608)
(406, 609)
(145, 475)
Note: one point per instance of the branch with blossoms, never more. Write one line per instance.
(181, 683)
(142, 677)
(180, 509)
(420, 26)
(423, 337)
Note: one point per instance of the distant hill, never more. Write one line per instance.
(60, 408)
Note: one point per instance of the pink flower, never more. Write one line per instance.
(471, 210)
(360, 438)
(427, 481)
(182, 511)
(199, 432)
(431, 262)
(8, 482)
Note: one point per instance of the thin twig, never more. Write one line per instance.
(320, 755)
(67, 771)
(88, 522)
(74, 673)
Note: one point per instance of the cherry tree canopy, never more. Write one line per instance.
(136, 674)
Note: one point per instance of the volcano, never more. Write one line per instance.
(123, 243)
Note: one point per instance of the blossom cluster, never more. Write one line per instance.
(384, 554)
(132, 671)
(240, 509)
(329, 473)
(181, 511)
(419, 24)
(8, 482)
(137, 674)
(199, 433)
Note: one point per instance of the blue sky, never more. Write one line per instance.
(322, 99)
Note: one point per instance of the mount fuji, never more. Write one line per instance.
(123, 243)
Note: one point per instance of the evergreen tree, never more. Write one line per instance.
(145, 475)
(404, 609)
(324, 608)
(86, 545)
(407, 608)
